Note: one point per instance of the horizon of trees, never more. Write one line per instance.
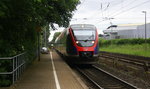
(22, 20)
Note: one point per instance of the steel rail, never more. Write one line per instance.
(126, 56)
(95, 82)
(134, 60)
(97, 85)
(126, 83)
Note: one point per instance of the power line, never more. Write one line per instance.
(108, 6)
(101, 8)
(116, 14)
(79, 7)
(129, 9)
(121, 9)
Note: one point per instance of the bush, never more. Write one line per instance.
(5, 80)
(148, 41)
(137, 41)
(105, 43)
(122, 41)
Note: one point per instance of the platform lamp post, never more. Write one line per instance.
(111, 27)
(145, 24)
(146, 64)
(111, 32)
(38, 28)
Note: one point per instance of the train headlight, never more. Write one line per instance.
(77, 42)
(93, 42)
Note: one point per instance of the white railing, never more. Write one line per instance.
(18, 64)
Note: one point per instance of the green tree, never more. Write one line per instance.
(20, 18)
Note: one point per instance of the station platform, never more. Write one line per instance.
(51, 72)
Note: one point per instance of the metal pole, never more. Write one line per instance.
(145, 31)
(16, 63)
(13, 70)
(39, 46)
(45, 38)
(145, 25)
(111, 32)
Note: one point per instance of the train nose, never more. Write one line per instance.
(86, 54)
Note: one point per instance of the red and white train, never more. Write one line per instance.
(78, 41)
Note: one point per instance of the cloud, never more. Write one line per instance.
(123, 12)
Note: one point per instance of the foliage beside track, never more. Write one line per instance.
(21, 21)
(126, 46)
(106, 43)
(55, 36)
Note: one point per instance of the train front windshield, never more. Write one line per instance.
(85, 38)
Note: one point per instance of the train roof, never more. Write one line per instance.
(82, 26)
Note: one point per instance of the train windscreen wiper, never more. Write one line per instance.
(89, 38)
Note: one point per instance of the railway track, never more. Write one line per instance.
(139, 61)
(95, 78)
(103, 79)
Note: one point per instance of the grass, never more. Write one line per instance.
(140, 50)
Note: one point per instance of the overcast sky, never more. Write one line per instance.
(120, 12)
(101, 12)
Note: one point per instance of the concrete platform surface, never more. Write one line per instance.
(67, 78)
(49, 73)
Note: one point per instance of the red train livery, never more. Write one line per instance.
(78, 40)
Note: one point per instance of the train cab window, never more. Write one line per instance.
(85, 38)
(84, 34)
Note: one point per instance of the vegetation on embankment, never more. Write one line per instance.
(126, 46)
(23, 21)
(55, 36)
